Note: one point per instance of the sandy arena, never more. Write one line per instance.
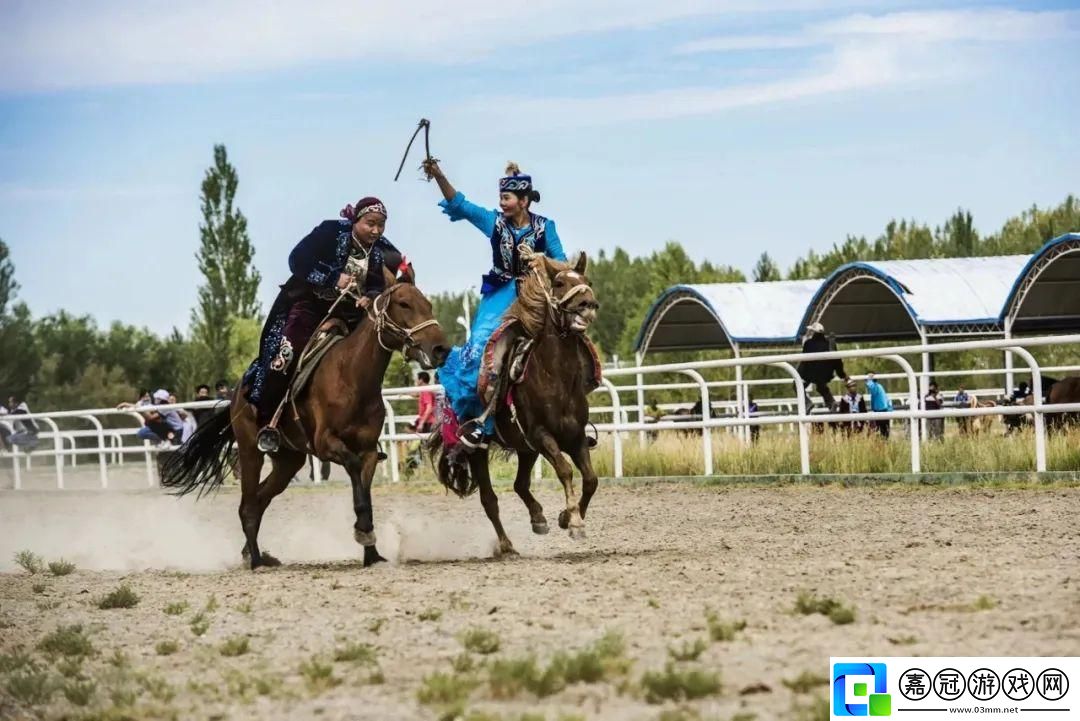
(928, 571)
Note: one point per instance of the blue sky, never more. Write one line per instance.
(734, 127)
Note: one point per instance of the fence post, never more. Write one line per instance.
(102, 463)
(1037, 398)
(639, 359)
(394, 474)
(913, 409)
(58, 448)
(800, 401)
(706, 433)
(617, 415)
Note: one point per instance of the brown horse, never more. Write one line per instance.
(550, 411)
(338, 418)
(1066, 390)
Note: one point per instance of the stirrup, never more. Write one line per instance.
(268, 440)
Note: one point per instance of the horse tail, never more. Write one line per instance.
(451, 466)
(202, 462)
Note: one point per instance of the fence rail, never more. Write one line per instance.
(734, 415)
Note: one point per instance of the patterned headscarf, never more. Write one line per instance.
(370, 204)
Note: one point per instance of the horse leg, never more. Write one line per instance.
(251, 462)
(522, 484)
(253, 504)
(589, 481)
(361, 468)
(569, 517)
(478, 466)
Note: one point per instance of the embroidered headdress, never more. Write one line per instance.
(515, 181)
(370, 204)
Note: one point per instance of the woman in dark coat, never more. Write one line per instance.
(334, 256)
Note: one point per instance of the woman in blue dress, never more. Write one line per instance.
(505, 229)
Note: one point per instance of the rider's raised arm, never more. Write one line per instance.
(455, 204)
(553, 248)
(312, 258)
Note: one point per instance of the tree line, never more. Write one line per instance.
(64, 360)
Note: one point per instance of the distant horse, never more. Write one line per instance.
(1067, 390)
(339, 418)
(548, 410)
(977, 424)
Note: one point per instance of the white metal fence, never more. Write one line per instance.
(109, 449)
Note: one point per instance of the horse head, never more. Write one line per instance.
(404, 321)
(573, 296)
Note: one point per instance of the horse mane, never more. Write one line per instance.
(531, 307)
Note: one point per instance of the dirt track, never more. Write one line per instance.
(912, 562)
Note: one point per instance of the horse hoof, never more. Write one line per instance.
(564, 520)
(540, 529)
(371, 557)
(268, 560)
(577, 532)
(364, 539)
(505, 550)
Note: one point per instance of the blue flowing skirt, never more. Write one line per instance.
(460, 374)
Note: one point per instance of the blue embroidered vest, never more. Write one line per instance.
(505, 263)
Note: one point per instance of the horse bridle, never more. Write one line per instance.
(383, 322)
(557, 309)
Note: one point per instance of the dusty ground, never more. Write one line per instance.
(912, 562)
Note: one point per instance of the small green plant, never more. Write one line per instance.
(15, 661)
(67, 641)
(244, 608)
(653, 603)
(688, 651)
(983, 603)
(121, 597)
(722, 630)
(599, 661)
(79, 692)
(836, 611)
(69, 666)
(32, 687)
(673, 684)
(119, 660)
(806, 682)
(123, 696)
(158, 688)
(463, 663)
(906, 640)
(30, 562)
(318, 674)
(361, 654)
(61, 567)
(376, 625)
(200, 623)
(479, 640)
(430, 614)
(235, 646)
(167, 647)
(211, 604)
(445, 689)
(39, 587)
(816, 710)
(509, 677)
(50, 605)
(176, 608)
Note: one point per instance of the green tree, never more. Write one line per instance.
(8, 286)
(766, 269)
(21, 354)
(225, 260)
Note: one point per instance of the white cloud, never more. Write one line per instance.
(848, 69)
(991, 25)
(858, 52)
(51, 44)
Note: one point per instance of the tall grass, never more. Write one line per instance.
(668, 454)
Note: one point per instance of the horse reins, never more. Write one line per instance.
(383, 321)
